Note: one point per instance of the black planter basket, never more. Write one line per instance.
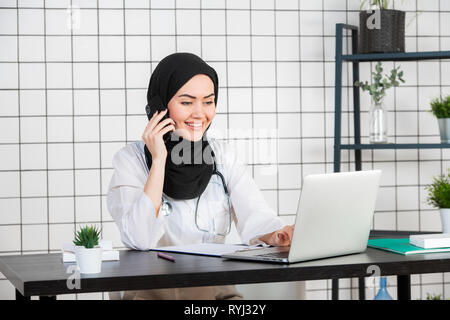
(390, 37)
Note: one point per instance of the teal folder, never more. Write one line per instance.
(401, 246)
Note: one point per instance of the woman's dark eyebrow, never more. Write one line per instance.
(192, 97)
(186, 95)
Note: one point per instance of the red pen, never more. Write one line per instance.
(165, 256)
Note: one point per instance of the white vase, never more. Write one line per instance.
(89, 260)
(378, 123)
(445, 220)
(444, 129)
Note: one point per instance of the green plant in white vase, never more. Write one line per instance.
(377, 90)
(439, 197)
(440, 107)
(88, 253)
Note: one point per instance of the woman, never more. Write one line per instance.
(154, 194)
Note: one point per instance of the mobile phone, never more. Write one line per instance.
(157, 105)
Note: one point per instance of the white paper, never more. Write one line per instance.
(108, 254)
(430, 241)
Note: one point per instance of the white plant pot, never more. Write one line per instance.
(89, 260)
(445, 219)
(444, 129)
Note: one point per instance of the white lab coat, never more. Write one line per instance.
(140, 229)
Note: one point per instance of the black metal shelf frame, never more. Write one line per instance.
(395, 146)
(355, 58)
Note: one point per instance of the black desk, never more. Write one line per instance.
(45, 275)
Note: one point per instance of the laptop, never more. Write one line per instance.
(334, 217)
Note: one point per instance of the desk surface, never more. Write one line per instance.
(45, 274)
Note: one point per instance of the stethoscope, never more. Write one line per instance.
(166, 207)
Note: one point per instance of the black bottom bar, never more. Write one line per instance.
(334, 289)
(20, 296)
(404, 287)
(362, 288)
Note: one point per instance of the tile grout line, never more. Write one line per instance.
(46, 127)
(417, 104)
(418, 127)
(20, 128)
(73, 129)
(252, 100)
(277, 145)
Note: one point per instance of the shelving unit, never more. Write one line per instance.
(355, 58)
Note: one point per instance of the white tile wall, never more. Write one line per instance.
(80, 94)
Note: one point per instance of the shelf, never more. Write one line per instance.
(403, 56)
(355, 58)
(394, 146)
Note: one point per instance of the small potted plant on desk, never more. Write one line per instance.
(440, 107)
(439, 197)
(87, 251)
(377, 89)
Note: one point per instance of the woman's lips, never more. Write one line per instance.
(195, 126)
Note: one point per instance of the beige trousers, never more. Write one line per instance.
(190, 293)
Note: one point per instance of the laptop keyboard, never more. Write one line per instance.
(284, 254)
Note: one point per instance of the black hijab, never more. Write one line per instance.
(188, 179)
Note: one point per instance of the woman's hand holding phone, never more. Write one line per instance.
(153, 135)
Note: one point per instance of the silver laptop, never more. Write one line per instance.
(334, 217)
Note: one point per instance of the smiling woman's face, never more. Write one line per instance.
(193, 108)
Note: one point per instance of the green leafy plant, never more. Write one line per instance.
(439, 192)
(384, 5)
(381, 4)
(87, 237)
(440, 107)
(434, 296)
(377, 89)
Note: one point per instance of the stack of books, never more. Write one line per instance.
(429, 243)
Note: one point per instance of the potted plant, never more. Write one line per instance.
(440, 107)
(432, 296)
(377, 90)
(381, 30)
(439, 197)
(87, 251)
